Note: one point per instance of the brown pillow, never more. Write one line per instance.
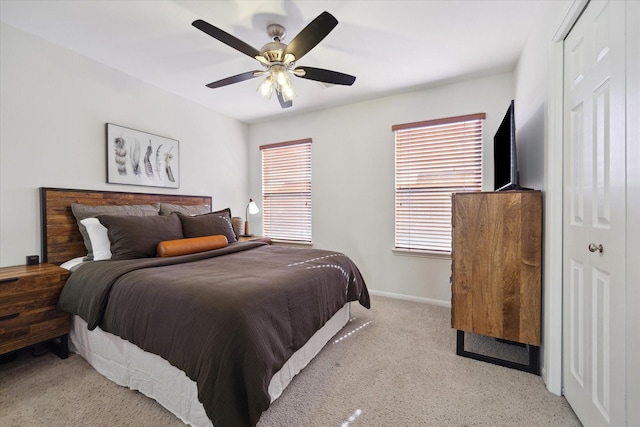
(210, 224)
(191, 245)
(191, 210)
(138, 236)
(81, 212)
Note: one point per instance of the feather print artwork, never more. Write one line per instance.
(147, 163)
(167, 157)
(141, 158)
(135, 158)
(159, 162)
(121, 155)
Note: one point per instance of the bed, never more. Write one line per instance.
(214, 334)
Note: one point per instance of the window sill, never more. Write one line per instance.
(290, 243)
(421, 253)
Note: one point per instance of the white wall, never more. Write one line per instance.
(53, 108)
(538, 170)
(531, 91)
(353, 176)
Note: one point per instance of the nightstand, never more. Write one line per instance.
(28, 298)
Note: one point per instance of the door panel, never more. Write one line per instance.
(600, 326)
(576, 321)
(576, 163)
(601, 160)
(594, 223)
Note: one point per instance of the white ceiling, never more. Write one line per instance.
(390, 46)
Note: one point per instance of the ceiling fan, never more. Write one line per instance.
(279, 59)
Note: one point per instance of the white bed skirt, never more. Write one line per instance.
(129, 366)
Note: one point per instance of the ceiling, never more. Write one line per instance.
(390, 46)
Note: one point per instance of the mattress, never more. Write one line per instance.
(127, 365)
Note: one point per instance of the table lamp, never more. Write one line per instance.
(252, 209)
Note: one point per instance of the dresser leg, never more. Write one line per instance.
(534, 357)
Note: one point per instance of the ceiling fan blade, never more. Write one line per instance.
(311, 35)
(326, 76)
(235, 79)
(226, 38)
(283, 103)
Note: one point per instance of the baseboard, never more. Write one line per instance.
(411, 298)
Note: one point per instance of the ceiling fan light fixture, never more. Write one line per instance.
(287, 93)
(266, 87)
(277, 79)
(283, 85)
(279, 74)
(264, 61)
(279, 59)
(273, 51)
(289, 59)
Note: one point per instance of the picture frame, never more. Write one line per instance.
(140, 158)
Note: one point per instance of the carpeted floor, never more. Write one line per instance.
(394, 366)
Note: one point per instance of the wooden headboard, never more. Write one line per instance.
(61, 238)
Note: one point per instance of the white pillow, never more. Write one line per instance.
(72, 263)
(99, 238)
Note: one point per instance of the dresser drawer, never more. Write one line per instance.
(28, 299)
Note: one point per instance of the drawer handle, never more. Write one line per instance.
(9, 316)
(9, 279)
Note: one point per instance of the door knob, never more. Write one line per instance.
(593, 247)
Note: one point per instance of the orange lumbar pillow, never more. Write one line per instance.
(191, 245)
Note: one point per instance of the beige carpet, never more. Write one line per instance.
(397, 367)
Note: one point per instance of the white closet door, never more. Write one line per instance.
(633, 213)
(594, 252)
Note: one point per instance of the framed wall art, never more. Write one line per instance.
(140, 158)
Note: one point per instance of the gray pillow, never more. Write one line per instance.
(81, 212)
(138, 236)
(210, 224)
(191, 210)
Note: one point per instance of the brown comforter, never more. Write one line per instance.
(229, 318)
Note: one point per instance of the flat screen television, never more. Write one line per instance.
(505, 158)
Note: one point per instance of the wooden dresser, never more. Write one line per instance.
(496, 269)
(28, 298)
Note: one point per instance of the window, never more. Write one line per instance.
(286, 190)
(434, 159)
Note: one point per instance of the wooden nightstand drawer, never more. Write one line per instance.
(28, 299)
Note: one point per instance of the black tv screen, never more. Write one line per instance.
(505, 166)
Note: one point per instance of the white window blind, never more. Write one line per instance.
(434, 159)
(286, 190)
